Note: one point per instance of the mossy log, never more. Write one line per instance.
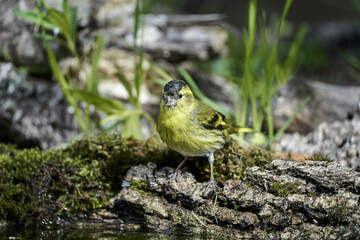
(112, 183)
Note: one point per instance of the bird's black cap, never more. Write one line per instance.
(174, 86)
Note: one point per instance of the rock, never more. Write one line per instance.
(171, 37)
(328, 103)
(338, 140)
(116, 15)
(187, 37)
(174, 38)
(336, 32)
(18, 44)
(34, 113)
(287, 199)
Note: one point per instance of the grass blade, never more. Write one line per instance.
(160, 72)
(139, 73)
(139, 50)
(293, 54)
(66, 10)
(137, 16)
(60, 77)
(106, 105)
(51, 38)
(213, 213)
(74, 24)
(32, 17)
(93, 80)
(291, 118)
(118, 116)
(234, 91)
(60, 20)
(158, 81)
(198, 219)
(113, 126)
(264, 98)
(132, 127)
(127, 86)
(284, 13)
(269, 121)
(200, 95)
(248, 78)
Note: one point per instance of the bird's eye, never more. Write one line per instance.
(180, 95)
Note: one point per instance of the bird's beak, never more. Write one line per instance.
(170, 101)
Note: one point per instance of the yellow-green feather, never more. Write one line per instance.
(212, 119)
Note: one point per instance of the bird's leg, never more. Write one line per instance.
(177, 171)
(211, 161)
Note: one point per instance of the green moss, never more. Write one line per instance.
(232, 161)
(7, 148)
(140, 186)
(37, 184)
(339, 213)
(320, 157)
(284, 190)
(116, 155)
(313, 194)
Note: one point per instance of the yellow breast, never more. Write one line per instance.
(181, 132)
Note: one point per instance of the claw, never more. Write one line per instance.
(209, 189)
(212, 183)
(175, 175)
(177, 171)
(211, 186)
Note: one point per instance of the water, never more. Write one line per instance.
(19, 234)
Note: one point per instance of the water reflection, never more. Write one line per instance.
(19, 234)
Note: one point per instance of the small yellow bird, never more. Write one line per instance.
(190, 126)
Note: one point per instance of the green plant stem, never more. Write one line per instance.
(92, 81)
(139, 51)
(269, 120)
(244, 110)
(249, 50)
(247, 67)
(234, 91)
(195, 89)
(291, 118)
(247, 86)
(159, 71)
(59, 76)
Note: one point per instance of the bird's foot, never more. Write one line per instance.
(212, 184)
(209, 188)
(174, 176)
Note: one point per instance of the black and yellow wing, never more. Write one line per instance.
(211, 119)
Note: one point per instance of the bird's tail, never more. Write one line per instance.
(238, 129)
